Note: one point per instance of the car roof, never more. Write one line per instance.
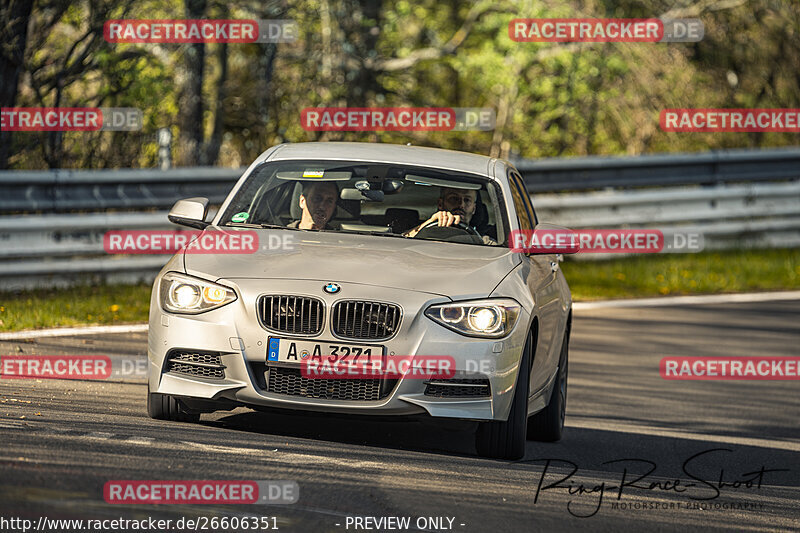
(385, 153)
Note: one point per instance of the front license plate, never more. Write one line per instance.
(296, 351)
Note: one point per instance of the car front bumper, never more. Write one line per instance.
(236, 334)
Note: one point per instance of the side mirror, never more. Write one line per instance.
(190, 212)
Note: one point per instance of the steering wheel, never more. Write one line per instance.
(459, 225)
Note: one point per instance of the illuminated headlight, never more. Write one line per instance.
(494, 317)
(185, 294)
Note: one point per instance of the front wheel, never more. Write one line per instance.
(548, 424)
(166, 407)
(506, 439)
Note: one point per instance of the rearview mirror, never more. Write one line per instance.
(366, 194)
(392, 186)
(190, 212)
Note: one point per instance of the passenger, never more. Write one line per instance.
(318, 203)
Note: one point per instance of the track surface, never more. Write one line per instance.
(60, 441)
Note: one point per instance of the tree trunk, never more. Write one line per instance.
(211, 149)
(13, 37)
(266, 62)
(191, 102)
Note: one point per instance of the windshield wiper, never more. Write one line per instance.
(257, 226)
(366, 232)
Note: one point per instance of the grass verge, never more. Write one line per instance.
(76, 306)
(645, 276)
(629, 277)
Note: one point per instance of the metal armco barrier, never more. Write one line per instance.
(55, 191)
(735, 199)
(757, 215)
(83, 190)
(710, 168)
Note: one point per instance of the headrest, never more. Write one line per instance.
(294, 207)
(480, 219)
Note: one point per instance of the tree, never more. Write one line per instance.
(13, 38)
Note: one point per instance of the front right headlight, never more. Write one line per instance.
(184, 294)
(492, 317)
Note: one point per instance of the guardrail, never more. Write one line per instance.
(758, 215)
(60, 248)
(55, 191)
(708, 168)
(83, 190)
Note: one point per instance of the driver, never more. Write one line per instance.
(455, 206)
(318, 203)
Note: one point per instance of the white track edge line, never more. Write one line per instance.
(691, 300)
(68, 332)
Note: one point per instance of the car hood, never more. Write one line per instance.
(441, 268)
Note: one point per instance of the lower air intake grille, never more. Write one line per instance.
(202, 364)
(289, 381)
(458, 388)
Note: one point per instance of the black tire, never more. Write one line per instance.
(506, 439)
(166, 407)
(548, 424)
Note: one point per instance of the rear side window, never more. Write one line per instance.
(522, 202)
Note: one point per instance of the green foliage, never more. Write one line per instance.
(552, 99)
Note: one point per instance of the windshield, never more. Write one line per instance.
(385, 200)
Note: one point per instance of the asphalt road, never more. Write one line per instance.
(60, 441)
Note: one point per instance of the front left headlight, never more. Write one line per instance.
(492, 317)
(180, 293)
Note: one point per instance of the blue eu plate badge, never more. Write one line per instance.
(272, 351)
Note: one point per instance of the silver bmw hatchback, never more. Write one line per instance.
(373, 251)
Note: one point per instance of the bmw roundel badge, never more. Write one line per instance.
(331, 288)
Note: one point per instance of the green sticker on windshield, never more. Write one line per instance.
(240, 217)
